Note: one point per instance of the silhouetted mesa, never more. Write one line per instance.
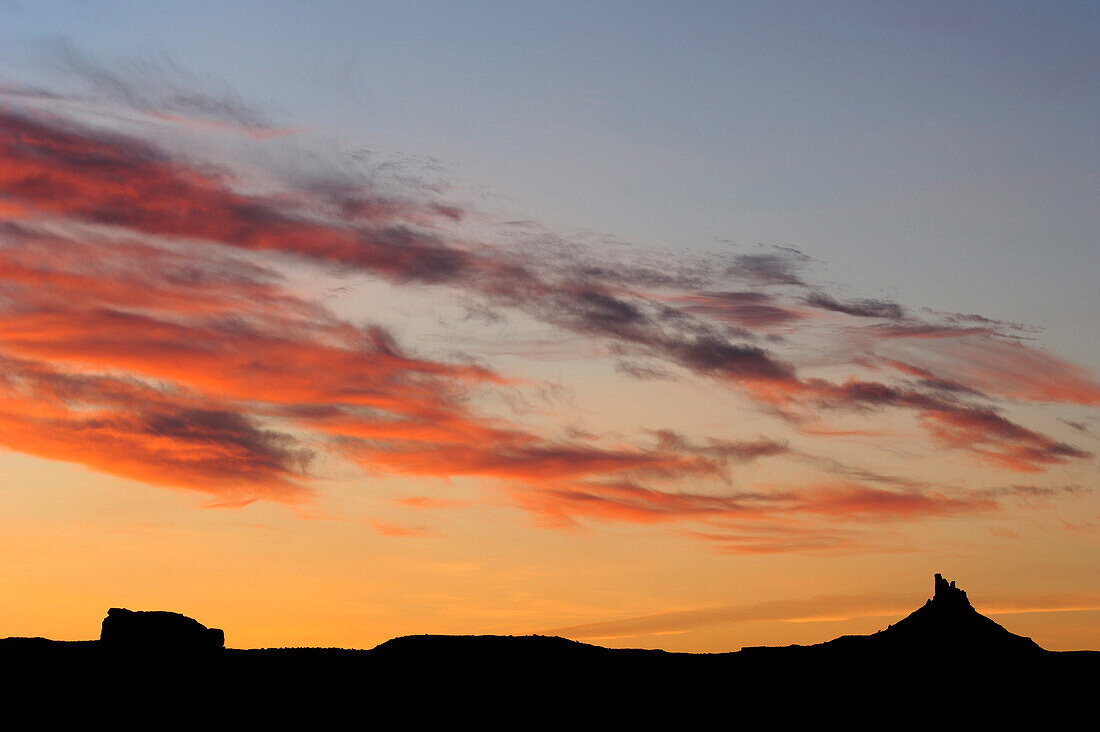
(157, 632)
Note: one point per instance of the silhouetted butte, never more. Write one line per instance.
(157, 631)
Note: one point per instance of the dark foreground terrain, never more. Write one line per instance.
(942, 663)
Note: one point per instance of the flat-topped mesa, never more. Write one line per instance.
(949, 594)
(157, 632)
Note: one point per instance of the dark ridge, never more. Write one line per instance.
(944, 658)
(500, 647)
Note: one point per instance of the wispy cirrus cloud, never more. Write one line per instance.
(756, 311)
(150, 331)
(168, 368)
(125, 428)
(153, 85)
(858, 308)
(822, 608)
(978, 429)
(805, 518)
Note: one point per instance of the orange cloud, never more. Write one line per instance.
(147, 332)
(1008, 369)
(742, 515)
(166, 440)
(49, 166)
(383, 528)
(981, 430)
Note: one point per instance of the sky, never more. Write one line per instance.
(647, 324)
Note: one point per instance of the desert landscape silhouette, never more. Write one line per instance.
(943, 658)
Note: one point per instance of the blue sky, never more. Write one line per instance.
(928, 151)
